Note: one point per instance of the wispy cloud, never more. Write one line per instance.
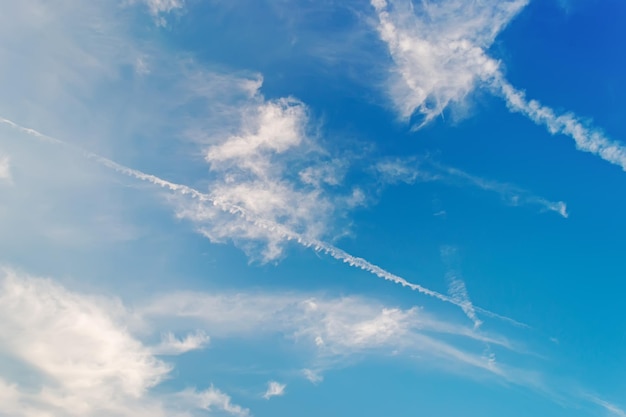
(211, 400)
(159, 8)
(336, 329)
(274, 389)
(456, 286)
(438, 49)
(611, 408)
(91, 360)
(171, 345)
(312, 376)
(5, 170)
(425, 169)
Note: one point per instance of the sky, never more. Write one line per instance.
(314, 208)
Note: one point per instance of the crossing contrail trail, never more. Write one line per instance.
(279, 229)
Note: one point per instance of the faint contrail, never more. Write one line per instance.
(317, 245)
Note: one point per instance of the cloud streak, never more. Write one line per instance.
(411, 170)
(587, 139)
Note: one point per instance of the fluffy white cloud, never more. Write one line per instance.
(73, 355)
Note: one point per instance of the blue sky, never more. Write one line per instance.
(295, 207)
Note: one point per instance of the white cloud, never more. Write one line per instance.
(73, 354)
(411, 170)
(213, 399)
(171, 345)
(274, 389)
(252, 170)
(438, 49)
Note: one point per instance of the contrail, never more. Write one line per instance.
(587, 139)
(315, 244)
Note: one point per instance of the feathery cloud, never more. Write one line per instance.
(312, 376)
(159, 8)
(411, 170)
(5, 169)
(336, 329)
(274, 389)
(438, 49)
(171, 345)
(212, 399)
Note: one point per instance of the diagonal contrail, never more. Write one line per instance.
(284, 232)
